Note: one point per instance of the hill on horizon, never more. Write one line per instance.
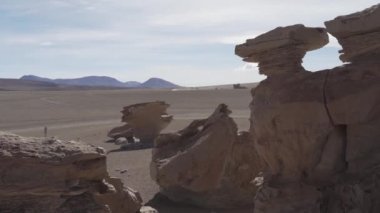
(153, 83)
(19, 84)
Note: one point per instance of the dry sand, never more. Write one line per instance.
(88, 115)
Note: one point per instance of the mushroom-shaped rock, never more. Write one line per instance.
(207, 163)
(358, 33)
(143, 121)
(50, 175)
(282, 49)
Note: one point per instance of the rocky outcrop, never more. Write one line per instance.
(289, 120)
(282, 49)
(143, 121)
(358, 33)
(50, 175)
(318, 132)
(207, 163)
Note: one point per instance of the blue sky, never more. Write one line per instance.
(188, 42)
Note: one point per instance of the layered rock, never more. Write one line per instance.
(353, 101)
(282, 49)
(50, 175)
(207, 163)
(143, 121)
(318, 132)
(358, 33)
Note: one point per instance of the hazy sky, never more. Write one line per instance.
(188, 42)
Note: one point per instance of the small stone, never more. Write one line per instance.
(148, 209)
(121, 140)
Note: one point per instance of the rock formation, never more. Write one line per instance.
(207, 163)
(358, 34)
(143, 121)
(353, 102)
(49, 175)
(282, 49)
(318, 132)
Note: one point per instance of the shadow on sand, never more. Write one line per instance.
(163, 204)
(131, 146)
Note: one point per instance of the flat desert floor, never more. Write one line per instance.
(89, 114)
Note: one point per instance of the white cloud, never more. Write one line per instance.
(247, 67)
(238, 38)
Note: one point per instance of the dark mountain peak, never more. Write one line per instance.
(158, 83)
(132, 84)
(35, 78)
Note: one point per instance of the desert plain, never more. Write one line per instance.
(87, 115)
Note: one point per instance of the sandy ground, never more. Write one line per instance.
(88, 116)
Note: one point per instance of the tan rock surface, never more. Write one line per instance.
(357, 111)
(207, 163)
(50, 175)
(325, 137)
(292, 127)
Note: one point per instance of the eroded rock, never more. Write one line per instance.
(281, 50)
(50, 175)
(207, 163)
(318, 132)
(143, 121)
(358, 33)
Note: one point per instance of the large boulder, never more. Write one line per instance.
(207, 164)
(143, 121)
(50, 175)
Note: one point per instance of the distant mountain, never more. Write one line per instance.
(35, 78)
(132, 84)
(20, 85)
(91, 81)
(85, 81)
(158, 83)
(104, 81)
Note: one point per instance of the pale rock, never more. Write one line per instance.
(148, 209)
(49, 175)
(121, 140)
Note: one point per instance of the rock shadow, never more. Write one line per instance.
(131, 147)
(162, 204)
